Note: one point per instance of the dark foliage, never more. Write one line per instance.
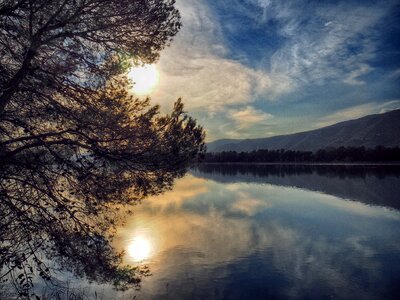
(341, 154)
(74, 145)
(58, 48)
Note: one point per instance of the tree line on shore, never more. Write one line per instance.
(340, 154)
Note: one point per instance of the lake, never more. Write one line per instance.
(269, 232)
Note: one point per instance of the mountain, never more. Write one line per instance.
(369, 131)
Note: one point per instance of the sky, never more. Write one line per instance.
(259, 68)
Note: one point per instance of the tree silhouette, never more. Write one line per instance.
(341, 154)
(74, 144)
(53, 48)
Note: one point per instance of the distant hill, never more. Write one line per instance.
(370, 131)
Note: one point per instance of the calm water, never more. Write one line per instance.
(266, 232)
(259, 232)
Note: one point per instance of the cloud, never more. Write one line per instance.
(197, 67)
(194, 68)
(358, 111)
(308, 47)
(352, 79)
(323, 42)
(210, 83)
(248, 116)
(242, 122)
(395, 73)
(388, 106)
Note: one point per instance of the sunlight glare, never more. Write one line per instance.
(139, 249)
(144, 79)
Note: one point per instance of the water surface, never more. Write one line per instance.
(259, 232)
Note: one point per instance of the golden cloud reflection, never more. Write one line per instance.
(184, 189)
(171, 224)
(220, 230)
(204, 225)
(152, 229)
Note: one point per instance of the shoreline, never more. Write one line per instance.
(305, 163)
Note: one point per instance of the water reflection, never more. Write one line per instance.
(140, 248)
(256, 233)
(222, 236)
(373, 184)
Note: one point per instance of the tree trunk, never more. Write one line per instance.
(12, 86)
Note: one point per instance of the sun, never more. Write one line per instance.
(144, 79)
(139, 249)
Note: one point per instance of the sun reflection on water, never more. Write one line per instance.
(140, 248)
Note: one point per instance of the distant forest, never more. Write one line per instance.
(341, 154)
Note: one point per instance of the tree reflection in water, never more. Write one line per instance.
(37, 241)
(355, 182)
(60, 203)
(49, 236)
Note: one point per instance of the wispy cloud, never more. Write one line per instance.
(326, 41)
(246, 122)
(197, 67)
(395, 73)
(308, 46)
(358, 111)
(248, 116)
(353, 78)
